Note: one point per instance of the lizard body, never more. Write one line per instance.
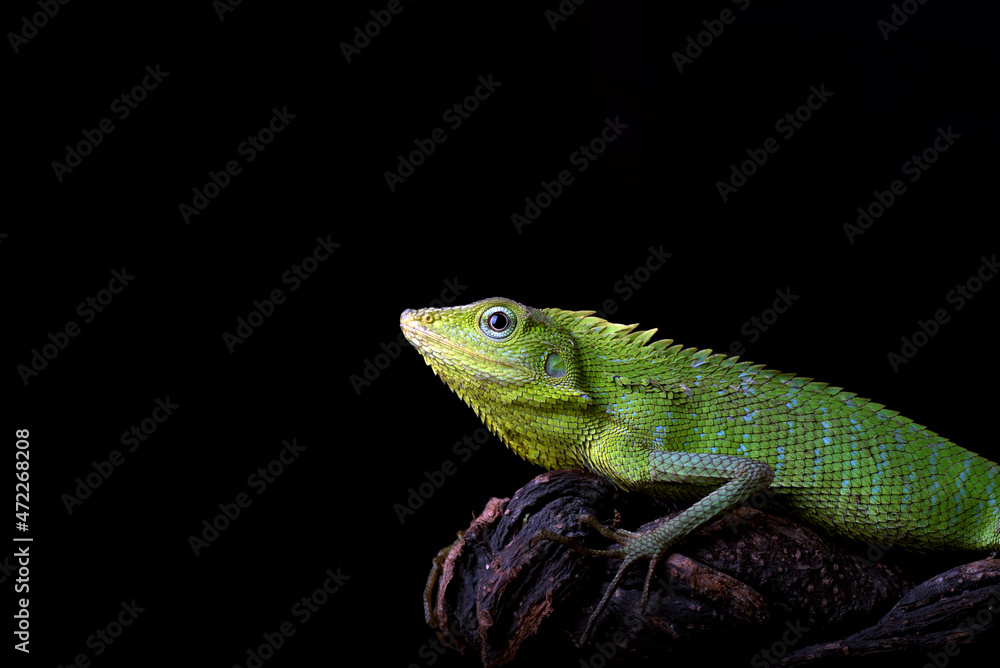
(565, 389)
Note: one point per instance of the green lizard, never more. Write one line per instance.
(565, 389)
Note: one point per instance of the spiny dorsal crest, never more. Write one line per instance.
(639, 342)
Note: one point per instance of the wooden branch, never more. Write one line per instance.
(751, 585)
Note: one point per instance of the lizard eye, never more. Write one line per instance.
(497, 322)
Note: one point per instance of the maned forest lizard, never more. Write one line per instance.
(565, 389)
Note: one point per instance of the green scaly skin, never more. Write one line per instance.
(564, 389)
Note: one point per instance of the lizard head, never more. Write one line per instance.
(517, 367)
(497, 351)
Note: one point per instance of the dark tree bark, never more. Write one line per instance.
(751, 584)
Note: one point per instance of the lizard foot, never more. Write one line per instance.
(632, 547)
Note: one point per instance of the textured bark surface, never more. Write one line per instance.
(751, 584)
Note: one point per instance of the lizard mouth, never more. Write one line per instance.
(418, 334)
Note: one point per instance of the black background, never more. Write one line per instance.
(449, 224)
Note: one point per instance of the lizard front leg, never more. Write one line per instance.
(739, 477)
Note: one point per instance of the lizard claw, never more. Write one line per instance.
(618, 535)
